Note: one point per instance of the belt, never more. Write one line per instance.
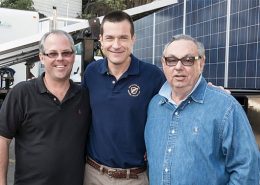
(131, 173)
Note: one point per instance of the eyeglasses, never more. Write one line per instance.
(186, 61)
(54, 55)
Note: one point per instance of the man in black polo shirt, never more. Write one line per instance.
(48, 117)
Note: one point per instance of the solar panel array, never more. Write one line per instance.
(229, 29)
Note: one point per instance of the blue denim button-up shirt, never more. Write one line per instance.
(205, 140)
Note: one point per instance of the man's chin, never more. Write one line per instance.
(117, 62)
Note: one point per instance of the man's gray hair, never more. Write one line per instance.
(56, 32)
(199, 45)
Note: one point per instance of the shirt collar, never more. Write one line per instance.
(133, 69)
(74, 88)
(197, 93)
(40, 83)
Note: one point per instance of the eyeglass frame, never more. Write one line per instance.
(194, 58)
(64, 54)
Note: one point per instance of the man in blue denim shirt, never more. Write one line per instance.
(197, 134)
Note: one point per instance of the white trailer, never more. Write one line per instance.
(17, 24)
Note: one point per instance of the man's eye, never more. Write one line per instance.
(172, 60)
(124, 38)
(53, 54)
(66, 53)
(108, 39)
(188, 59)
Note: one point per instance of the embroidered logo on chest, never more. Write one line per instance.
(133, 90)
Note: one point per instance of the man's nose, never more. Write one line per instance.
(116, 43)
(60, 56)
(179, 64)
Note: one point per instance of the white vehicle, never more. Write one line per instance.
(18, 24)
(15, 24)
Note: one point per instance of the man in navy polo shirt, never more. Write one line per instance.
(120, 88)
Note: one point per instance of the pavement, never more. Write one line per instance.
(10, 175)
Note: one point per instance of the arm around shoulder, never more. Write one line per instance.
(4, 157)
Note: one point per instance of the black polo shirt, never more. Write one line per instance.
(50, 136)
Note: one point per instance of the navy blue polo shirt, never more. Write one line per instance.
(119, 111)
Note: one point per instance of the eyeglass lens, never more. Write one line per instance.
(186, 61)
(56, 54)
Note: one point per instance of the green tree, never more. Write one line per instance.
(95, 8)
(17, 4)
(116, 4)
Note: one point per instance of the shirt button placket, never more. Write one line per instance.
(170, 147)
(166, 176)
(169, 152)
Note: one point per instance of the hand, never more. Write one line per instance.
(220, 87)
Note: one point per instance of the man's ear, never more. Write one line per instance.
(41, 58)
(163, 64)
(162, 61)
(134, 38)
(100, 38)
(101, 41)
(202, 63)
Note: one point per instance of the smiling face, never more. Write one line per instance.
(182, 78)
(117, 42)
(59, 67)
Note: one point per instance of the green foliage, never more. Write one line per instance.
(101, 7)
(116, 4)
(95, 8)
(17, 4)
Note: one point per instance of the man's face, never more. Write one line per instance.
(117, 42)
(182, 78)
(57, 68)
